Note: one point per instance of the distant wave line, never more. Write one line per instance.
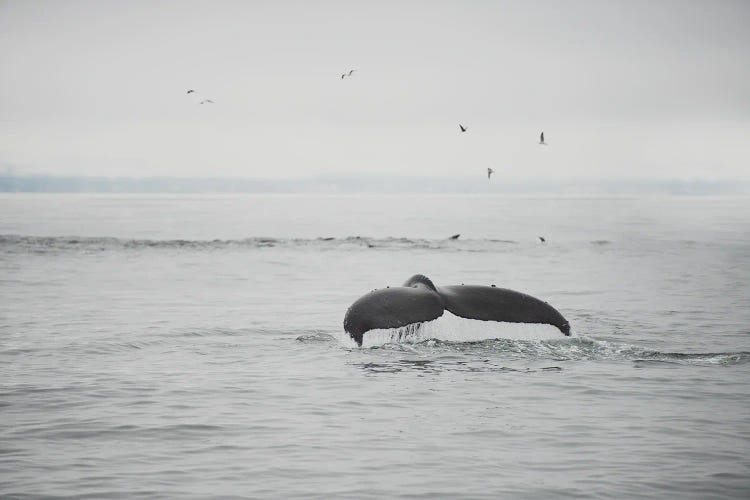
(41, 243)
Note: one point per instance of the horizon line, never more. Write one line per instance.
(372, 183)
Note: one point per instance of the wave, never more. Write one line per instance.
(48, 244)
(495, 356)
(516, 341)
(560, 351)
(12, 243)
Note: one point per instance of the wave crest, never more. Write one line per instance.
(44, 244)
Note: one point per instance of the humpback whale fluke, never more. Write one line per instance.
(418, 301)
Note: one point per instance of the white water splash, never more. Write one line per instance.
(454, 328)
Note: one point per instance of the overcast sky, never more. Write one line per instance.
(652, 89)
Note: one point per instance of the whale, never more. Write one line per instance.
(418, 301)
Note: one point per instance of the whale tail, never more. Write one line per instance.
(418, 300)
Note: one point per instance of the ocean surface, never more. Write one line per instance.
(191, 346)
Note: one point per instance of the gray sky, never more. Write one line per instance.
(622, 89)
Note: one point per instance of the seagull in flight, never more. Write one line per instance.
(190, 91)
(489, 173)
(541, 139)
(541, 238)
(348, 74)
(207, 101)
(463, 129)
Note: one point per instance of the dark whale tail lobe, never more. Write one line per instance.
(418, 300)
(489, 303)
(393, 308)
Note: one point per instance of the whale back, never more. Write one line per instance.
(420, 280)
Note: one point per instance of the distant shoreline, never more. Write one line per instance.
(369, 185)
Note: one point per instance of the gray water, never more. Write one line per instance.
(192, 347)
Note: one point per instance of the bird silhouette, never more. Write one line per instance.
(206, 101)
(489, 173)
(343, 75)
(541, 238)
(463, 129)
(541, 139)
(190, 91)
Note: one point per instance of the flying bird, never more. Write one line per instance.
(348, 74)
(207, 101)
(190, 91)
(463, 129)
(541, 140)
(489, 173)
(541, 238)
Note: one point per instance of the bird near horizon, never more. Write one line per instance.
(350, 73)
(541, 139)
(541, 238)
(206, 101)
(190, 91)
(489, 172)
(463, 129)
